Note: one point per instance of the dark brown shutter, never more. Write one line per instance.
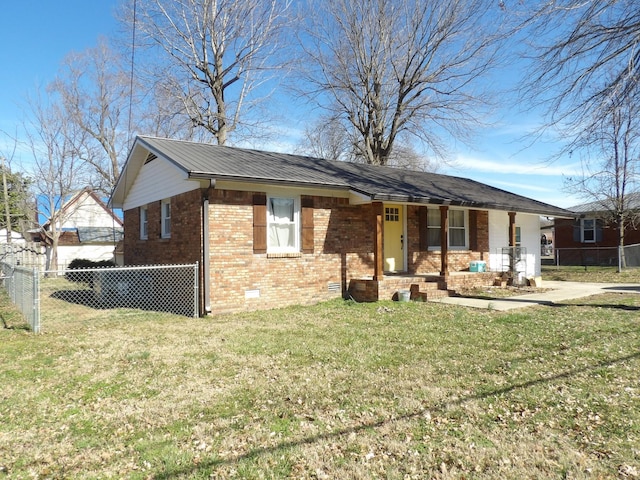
(473, 230)
(422, 227)
(307, 224)
(260, 223)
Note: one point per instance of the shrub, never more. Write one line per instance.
(80, 263)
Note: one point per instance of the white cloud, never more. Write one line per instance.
(524, 186)
(467, 163)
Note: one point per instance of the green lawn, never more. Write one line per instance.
(590, 274)
(339, 390)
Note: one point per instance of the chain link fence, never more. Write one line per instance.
(587, 257)
(161, 288)
(625, 257)
(631, 256)
(22, 286)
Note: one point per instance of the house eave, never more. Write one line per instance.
(472, 205)
(263, 180)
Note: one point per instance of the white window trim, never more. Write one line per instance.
(144, 223)
(433, 227)
(466, 233)
(296, 220)
(164, 229)
(465, 228)
(593, 229)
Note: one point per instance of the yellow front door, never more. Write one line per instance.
(393, 238)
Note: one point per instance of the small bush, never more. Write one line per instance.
(81, 263)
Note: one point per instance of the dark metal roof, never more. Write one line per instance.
(200, 160)
(632, 201)
(100, 234)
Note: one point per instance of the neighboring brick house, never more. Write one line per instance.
(589, 238)
(273, 229)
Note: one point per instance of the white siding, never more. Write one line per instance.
(89, 252)
(157, 180)
(15, 237)
(86, 212)
(530, 239)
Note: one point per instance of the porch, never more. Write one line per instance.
(422, 287)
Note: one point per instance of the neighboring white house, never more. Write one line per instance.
(89, 230)
(15, 237)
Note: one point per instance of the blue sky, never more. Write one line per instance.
(35, 35)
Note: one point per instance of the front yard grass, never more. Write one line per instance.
(338, 390)
(590, 274)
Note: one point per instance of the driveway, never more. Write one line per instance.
(560, 292)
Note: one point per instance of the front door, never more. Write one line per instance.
(393, 238)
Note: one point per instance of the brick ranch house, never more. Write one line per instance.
(272, 229)
(591, 236)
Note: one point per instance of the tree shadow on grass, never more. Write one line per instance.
(91, 299)
(86, 298)
(551, 303)
(21, 326)
(624, 288)
(630, 308)
(438, 408)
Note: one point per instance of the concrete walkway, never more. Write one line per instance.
(560, 292)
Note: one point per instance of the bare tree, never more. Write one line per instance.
(611, 168)
(58, 171)
(404, 155)
(94, 89)
(326, 138)
(217, 55)
(586, 54)
(17, 211)
(394, 67)
(164, 116)
(16, 214)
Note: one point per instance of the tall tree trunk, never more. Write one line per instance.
(622, 261)
(53, 256)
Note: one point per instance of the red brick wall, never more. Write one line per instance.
(421, 262)
(68, 239)
(602, 252)
(563, 236)
(185, 243)
(342, 249)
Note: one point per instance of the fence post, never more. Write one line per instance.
(36, 301)
(196, 312)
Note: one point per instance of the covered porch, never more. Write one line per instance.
(421, 287)
(429, 272)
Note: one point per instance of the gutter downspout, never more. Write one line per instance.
(206, 280)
